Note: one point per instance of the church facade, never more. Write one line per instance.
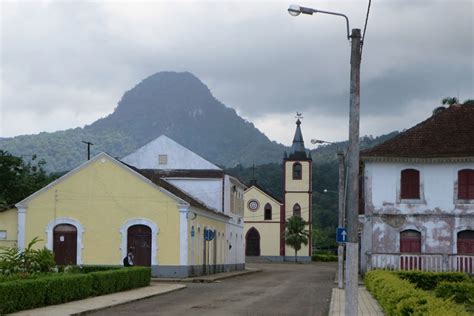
(266, 215)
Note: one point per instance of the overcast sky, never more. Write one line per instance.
(65, 64)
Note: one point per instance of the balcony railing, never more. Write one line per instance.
(423, 262)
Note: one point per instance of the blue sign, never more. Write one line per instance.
(208, 234)
(341, 234)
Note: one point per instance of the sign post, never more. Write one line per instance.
(208, 236)
(341, 235)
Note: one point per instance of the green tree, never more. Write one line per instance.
(295, 234)
(450, 101)
(19, 178)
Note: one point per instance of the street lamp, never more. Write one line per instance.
(352, 244)
(320, 141)
(295, 10)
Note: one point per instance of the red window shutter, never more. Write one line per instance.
(466, 242)
(410, 184)
(466, 184)
(410, 241)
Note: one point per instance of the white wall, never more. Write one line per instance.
(438, 187)
(208, 191)
(179, 157)
(438, 215)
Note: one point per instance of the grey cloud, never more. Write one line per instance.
(253, 57)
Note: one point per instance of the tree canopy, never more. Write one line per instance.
(19, 179)
(296, 234)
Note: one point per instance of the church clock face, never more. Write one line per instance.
(253, 205)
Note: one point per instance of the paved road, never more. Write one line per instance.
(281, 289)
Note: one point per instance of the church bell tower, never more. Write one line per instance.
(298, 186)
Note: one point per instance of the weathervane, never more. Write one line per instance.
(298, 115)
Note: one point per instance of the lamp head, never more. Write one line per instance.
(294, 10)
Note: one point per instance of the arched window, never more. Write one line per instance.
(410, 241)
(410, 184)
(297, 210)
(268, 211)
(466, 242)
(466, 184)
(297, 171)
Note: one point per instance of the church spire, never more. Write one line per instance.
(297, 150)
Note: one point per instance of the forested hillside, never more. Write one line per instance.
(178, 105)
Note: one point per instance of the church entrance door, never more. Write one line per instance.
(252, 243)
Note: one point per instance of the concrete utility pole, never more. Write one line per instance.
(352, 160)
(352, 205)
(340, 247)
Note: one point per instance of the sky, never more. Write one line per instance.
(65, 64)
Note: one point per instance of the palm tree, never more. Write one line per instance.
(295, 234)
(450, 101)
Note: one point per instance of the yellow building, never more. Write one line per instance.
(102, 210)
(265, 216)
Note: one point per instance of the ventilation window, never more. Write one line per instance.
(162, 159)
(410, 184)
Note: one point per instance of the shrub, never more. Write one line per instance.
(400, 297)
(22, 294)
(324, 257)
(89, 269)
(40, 289)
(28, 260)
(461, 292)
(429, 280)
(65, 288)
(116, 280)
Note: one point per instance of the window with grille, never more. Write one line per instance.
(268, 211)
(466, 242)
(297, 171)
(297, 210)
(466, 184)
(410, 184)
(410, 241)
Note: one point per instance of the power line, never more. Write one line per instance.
(365, 26)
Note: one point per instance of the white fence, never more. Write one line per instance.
(423, 262)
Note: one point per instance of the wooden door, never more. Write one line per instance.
(139, 243)
(252, 243)
(65, 244)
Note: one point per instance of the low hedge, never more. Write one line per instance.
(23, 294)
(324, 257)
(460, 292)
(429, 280)
(400, 297)
(89, 269)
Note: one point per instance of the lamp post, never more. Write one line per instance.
(352, 244)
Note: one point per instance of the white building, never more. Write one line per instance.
(204, 181)
(418, 196)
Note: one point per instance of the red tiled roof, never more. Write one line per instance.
(449, 133)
